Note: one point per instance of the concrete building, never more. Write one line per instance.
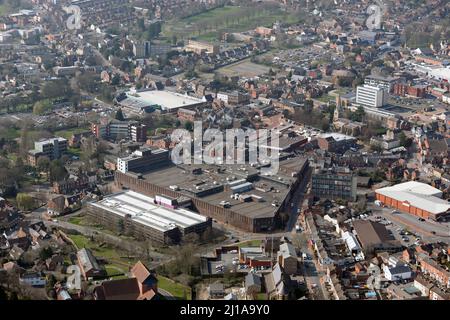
(334, 184)
(235, 195)
(386, 83)
(143, 160)
(370, 96)
(52, 148)
(200, 47)
(143, 217)
(115, 129)
(141, 49)
(415, 198)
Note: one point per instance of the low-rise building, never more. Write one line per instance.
(88, 264)
(287, 258)
(415, 198)
(143, 160)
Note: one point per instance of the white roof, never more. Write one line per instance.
(143, 210)
(417, 194)
(337, 136)
(166, 99)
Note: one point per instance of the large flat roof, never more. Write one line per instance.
(417, 194)
(166, 99)
(142, 210)
(269, 189)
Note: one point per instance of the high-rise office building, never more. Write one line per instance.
(334, 184)
(370, 96)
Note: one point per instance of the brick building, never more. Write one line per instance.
(415, 198)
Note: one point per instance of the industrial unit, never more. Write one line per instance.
(159, 219)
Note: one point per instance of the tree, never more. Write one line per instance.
(115, 81)
(43, 164)
(46, 253)
(25, 202)
(119, 115)
(404, 140)
(42, 107)
(189, 126)
(57, 171)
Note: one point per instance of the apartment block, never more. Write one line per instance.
(52, 148)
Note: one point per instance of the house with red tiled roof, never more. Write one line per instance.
(141, 286)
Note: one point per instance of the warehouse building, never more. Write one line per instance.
(159, 219)
(415, 198)
(235, 195)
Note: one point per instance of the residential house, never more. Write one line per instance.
(141, 286)
(89, 265)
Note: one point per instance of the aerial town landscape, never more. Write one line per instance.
(123, 175)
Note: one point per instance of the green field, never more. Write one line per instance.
(178, 290)
(76, 220)
(67, 133)
(3, 9)
(208, 26)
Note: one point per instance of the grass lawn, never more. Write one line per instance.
(74, 151)
(261, 296)
(209, 25)
(80, 241)
(114, 271)
(76, 220)
(11, 133)
(113, 255)
(67, 133)
(3, 10)
(178, 290)
(250, 243)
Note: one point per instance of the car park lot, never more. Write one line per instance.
(407, 228)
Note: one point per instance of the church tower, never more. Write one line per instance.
(337, 109)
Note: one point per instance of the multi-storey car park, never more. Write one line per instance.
(233, 194)
(159, 219)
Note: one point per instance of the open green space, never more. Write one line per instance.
(67, 133)
(178, 290)
(76, 220)
(10, 133)
(261, 296)
(210, 25)
(3, 10)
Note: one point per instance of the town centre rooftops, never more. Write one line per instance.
(142, 209)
